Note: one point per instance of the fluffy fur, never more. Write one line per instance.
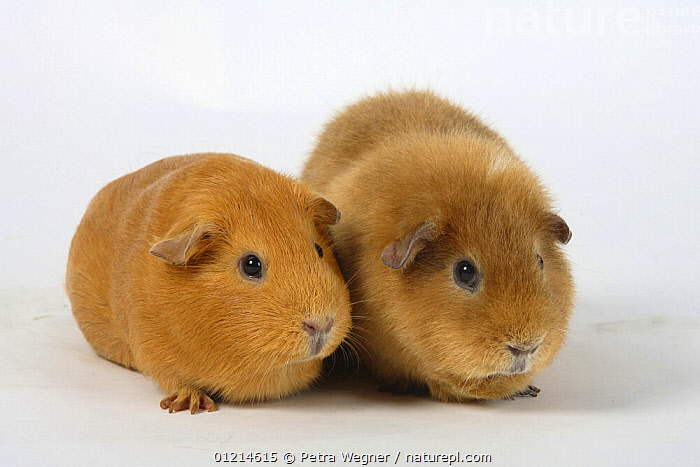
(412, 166)
(184, 314)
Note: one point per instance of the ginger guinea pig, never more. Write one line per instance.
(449, 244)
(211, 274)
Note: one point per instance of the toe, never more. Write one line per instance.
(530, 391)
(208, 404)
(181, 403)
(188, 398)
(167, 402)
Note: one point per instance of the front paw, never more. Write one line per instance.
(530, 391)
(188, 398)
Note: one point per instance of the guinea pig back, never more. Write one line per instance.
(211, 274)
(450, 245)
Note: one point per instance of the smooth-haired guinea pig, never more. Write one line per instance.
(449, 244)
(211, 274)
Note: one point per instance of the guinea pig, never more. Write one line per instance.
(450, 246)
(211, 274)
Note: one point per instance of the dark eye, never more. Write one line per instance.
(319, 250)
(466, 275)
(541, 261)
(251, 267)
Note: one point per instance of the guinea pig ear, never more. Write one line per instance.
(396, 254)
(559, 228)
(324, 212)
(178, 250)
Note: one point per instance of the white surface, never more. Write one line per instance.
(602, 100)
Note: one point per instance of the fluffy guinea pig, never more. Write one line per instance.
(211, 274)
(450, 247)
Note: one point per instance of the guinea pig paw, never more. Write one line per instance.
(531, 391)
(188, 398)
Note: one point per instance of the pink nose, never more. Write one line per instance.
(315, 326)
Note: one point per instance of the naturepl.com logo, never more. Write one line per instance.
(558, 20)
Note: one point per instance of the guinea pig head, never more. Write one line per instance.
(250, 282)
(483, 290)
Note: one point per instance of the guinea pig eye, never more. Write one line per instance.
(319, 250)
(466, 275)
(251, 267)
(541, 261)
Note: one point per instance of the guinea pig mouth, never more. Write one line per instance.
(521, 357)
(316, 345)
(519, 366)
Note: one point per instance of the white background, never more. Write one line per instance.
(602, 101)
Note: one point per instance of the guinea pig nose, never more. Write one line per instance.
(316, 326)
(518, 351)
